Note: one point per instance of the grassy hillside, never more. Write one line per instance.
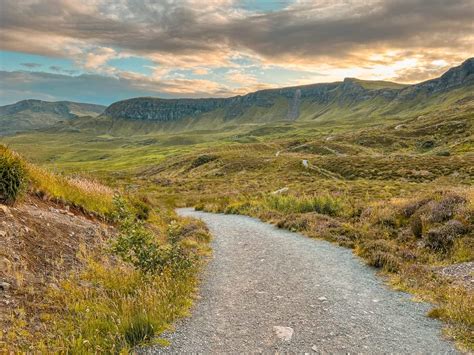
(29, 115)
(86, 271)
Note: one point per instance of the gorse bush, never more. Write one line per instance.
(13, 176)
(324, 204)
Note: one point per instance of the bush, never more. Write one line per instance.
(384, 260)
(416, 226)
(442, 211)
(442, 239)
(13, 176)
(138, 246)
(202, 159)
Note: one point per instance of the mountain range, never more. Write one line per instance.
(350, 100)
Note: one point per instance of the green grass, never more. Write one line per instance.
(112, 308)
(109, 301)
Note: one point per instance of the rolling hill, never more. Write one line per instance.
(29, 115)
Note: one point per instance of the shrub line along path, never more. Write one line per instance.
(270, 290)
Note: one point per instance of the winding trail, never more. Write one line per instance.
(261, 277)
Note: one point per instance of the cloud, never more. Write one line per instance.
(201, 71)
(243, 79)
(97, 58)
(402, 40)
(305, 31)
(30, 65)
(102, 89)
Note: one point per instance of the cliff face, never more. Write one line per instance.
(164, 110)
(347, 94)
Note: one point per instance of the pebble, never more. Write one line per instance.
(283, 333)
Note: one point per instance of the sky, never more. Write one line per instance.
(101, 51)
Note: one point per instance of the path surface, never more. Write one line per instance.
(261, 277)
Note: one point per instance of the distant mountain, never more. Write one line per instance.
(351, 99)
(28, 115)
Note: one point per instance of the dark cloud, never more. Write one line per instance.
(84, 88)
(55, 68)
(30, 65)
(303, 31)
(100, 89)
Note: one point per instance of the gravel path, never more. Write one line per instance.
(262, 277)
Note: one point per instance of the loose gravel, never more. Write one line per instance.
(269, 290)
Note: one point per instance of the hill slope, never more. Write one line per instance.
(354, 99)
(28, 115)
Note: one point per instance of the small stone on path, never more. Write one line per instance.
(283, 333)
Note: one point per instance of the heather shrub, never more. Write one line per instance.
(202, 159)
(416, 226)
(443, 210)
(442, 239)
(410, 208)
(384, 260)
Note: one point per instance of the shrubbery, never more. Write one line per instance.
(442, 239)
(138, 246)
(202, 159)
(416, 226)
(13, 176)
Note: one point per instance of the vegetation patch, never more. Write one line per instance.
(202, 159)
(111, 292)
(13, 176)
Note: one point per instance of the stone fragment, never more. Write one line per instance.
(283, 333)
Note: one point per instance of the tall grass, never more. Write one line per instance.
(324, 204)
(113, 307)
(79, 192)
